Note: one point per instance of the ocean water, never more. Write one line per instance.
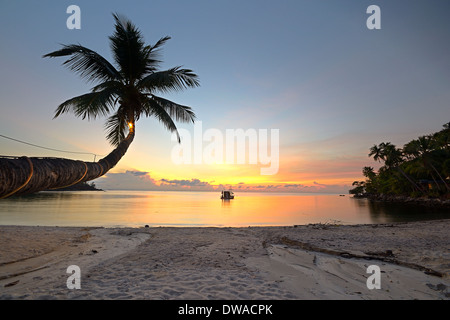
(204, 209)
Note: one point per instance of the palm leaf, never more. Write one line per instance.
(116, 127)
(175, 79)
(154, 109)
(87, 63)
(90, 105)
(179, 112)
(129, 49)
(152, 54)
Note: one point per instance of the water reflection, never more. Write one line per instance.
(399, 212)
(71, 195)
(43, 196)
(226, 202)
(138, 208)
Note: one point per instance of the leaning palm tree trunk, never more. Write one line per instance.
(23, 175)
(410, 180)
(440, 177)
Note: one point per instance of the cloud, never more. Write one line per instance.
(294, 186)
(137, 173)
(190, 183)
(141, 180)
(128, 180)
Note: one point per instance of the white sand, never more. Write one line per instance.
(303, 262)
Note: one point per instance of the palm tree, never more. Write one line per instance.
(392, 157)
(359, 189)
(422, 149)
(442, 138)
(386, 152)
(377, 152)
(124, 92)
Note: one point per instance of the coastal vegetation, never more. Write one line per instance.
(82, 186)
(420, 169)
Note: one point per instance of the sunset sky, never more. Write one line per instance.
(310, 69)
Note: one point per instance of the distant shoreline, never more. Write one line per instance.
(83, 186)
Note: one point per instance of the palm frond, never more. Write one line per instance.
(87, 63)
(128, 47)
(113, 85)
(152, 54)
(177, 111)
(116, 127)
(160, 43)
(175, 79)
(90, 105)
(154, 109)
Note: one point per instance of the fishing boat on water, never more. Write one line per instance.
(227, 194)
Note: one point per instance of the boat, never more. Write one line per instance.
(227, 194)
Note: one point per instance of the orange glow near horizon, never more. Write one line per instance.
(250, 176)
(207, 179)
(294, 174)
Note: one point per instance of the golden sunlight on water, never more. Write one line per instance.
(139, 208)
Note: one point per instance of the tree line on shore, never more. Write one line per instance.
(420, 169)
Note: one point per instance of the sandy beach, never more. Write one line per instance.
(310, 262)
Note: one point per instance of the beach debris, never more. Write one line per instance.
(387, 253)
(122, 232)
(386, 256)
(11, 284)
(440, 287)
(325, 225)
(89, 253)
(83, 238)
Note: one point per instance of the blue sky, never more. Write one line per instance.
(309, 68)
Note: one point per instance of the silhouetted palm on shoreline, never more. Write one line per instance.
(124, 92)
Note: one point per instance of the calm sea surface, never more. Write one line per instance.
(139, 208)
